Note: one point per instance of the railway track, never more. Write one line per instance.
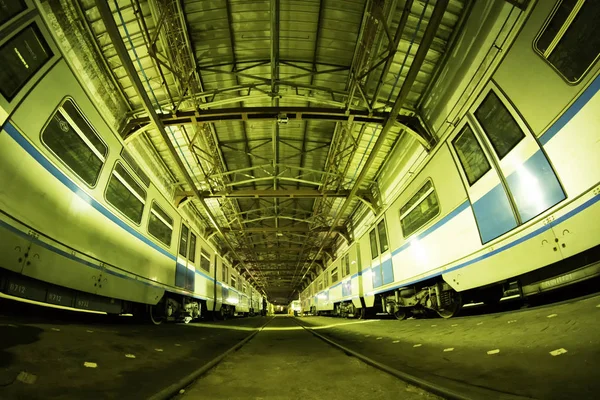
(286, 347)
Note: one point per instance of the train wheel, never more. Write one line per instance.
(453, 308)
(155, 315)
(366, 313)
(400, 313)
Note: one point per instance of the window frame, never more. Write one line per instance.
(39, 32)
(562, 31)
(193, 261)
(434, 191)
(481, 146)
(224, 272)
(206, 255)
(484, 133)
(153, 202)
(124, 166)
(187, 244)
(348, 266)
(373, 231)
(381, 251)
(81, 135)
(337, 277)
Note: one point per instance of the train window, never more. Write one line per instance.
(160, 225)
(419, 210)
(569, 41)
(74, 142)
(499, 126)
(383, 242)
(334, 275)
(183, 240)
(224, 273)
(22, 57)
(10, 8)
(325, 280)
(470, 154)
(125, 194)
(233, 282)
(192, 252)
(135, 167)
(373, 240)
(347, 264)
(204, 260)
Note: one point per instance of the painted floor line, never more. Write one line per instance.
(448, 349)
(496, 351)
(558, 352)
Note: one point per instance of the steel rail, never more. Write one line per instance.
(172, 390)
(447, 388)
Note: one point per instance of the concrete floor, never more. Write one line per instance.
(518, 352)
(286, 362)
(90, 357)
(43, 354)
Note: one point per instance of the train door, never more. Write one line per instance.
(531, 181)
(381, 262)
(508, 178)
(185, 271)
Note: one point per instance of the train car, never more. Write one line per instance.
(506, 195)
(343, 295)
(81, 225)
(505, 198)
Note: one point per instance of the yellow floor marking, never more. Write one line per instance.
(90, 331)
(396, 341)
(90, 364)
(448, 349)
(417, 345)
(512, 321)
(159, 350)
(552, 316)
(558, 352)
(493, 351)
(480, 323)
(129, 355)
(454, 325)
(56, 329)
(433, 326)
(26, 377)
(379, 338)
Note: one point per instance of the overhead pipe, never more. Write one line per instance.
(428, 37)
(113, 31)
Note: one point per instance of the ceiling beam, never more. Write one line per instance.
(273, 113)
(267, 229)
(278, 194)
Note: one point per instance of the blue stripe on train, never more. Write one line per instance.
(571, 112)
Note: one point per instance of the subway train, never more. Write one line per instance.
(506, 202)
(81, 225)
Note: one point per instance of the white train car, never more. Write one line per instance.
(343, 295)
(507, 195)
(81, 225)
